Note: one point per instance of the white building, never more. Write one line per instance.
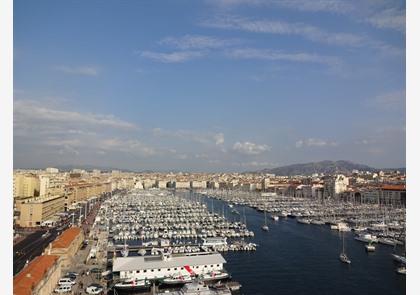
(340, 184)
(182, 184)
(199, 184)
(51, 170)
(152, 267)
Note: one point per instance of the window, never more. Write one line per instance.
(175, 268)
(144, 270)
(182, 268)
(218, 265)
(137, 271)
(152, 270)
(211, 265)
(205, 266)
(169, 269)
(159, 269)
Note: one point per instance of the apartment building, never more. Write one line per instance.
(34, 211)
(25, 185)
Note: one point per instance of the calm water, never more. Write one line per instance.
(295, 258)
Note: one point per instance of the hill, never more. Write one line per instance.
(326, 167)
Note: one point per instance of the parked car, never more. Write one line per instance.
(96, 270)
(63, 289)
(72, 273)
(94, 289)
(66, 281)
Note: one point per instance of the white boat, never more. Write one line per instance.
(265, 226)
(142, 252)
(343, 255)
(198, 288)
(214, 275)
(344, 258)
(401, 270)
(369, 247)
(317, 222)
(367, 238)
(303, 220)
(275, 217)
(175, 280)
(387, 241)
(132, 284)
(398, 258)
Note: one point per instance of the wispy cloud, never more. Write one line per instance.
(384, 14)
(305, 31)
(78, 70)
(249, 148)
(267, 54)
(217, 139)
(172, 57)
(390, 101)
(315, 142)
(391, 18)
(197, 42)
(284, 28)
(27, 112)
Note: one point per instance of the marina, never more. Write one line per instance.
(177, 233)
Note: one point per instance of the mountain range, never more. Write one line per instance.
(326, 167)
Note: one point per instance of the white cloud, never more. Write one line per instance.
(172, 57)
(197, 42)
(391, 18)
(315, 142)
(219, 138)
(285, 28)
(80, 70)
(27, 113)
(249, 148)
(267, 54)
(391, 101)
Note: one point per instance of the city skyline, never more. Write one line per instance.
(209, 86)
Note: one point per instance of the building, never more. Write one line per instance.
(198, 184)
(34, 211)
(40, 277)
(51, 170)
(66, 245)
(182, 184)
(148, 267)
(25, 185)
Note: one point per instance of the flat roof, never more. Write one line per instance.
(32, 274)
(148, 262)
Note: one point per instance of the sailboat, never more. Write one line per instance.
(343, 256)
(265, 226)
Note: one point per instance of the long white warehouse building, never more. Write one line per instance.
(159, 267)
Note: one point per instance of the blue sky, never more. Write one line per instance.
(222, 85)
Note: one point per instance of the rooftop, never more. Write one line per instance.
(141, 262)
(66, 238)
(30, 276)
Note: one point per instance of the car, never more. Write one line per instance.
(66, 281)
(72, 273)
(63, 289)
(94, 289)
(70, 276)
(96, 270)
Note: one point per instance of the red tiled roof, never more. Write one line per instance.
(31, 275)
(66, 238)
(393, 187)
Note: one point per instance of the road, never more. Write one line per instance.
(34, 244)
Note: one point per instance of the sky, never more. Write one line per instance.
(207, 86)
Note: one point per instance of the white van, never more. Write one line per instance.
(66, 281)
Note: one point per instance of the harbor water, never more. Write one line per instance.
(294, 258)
